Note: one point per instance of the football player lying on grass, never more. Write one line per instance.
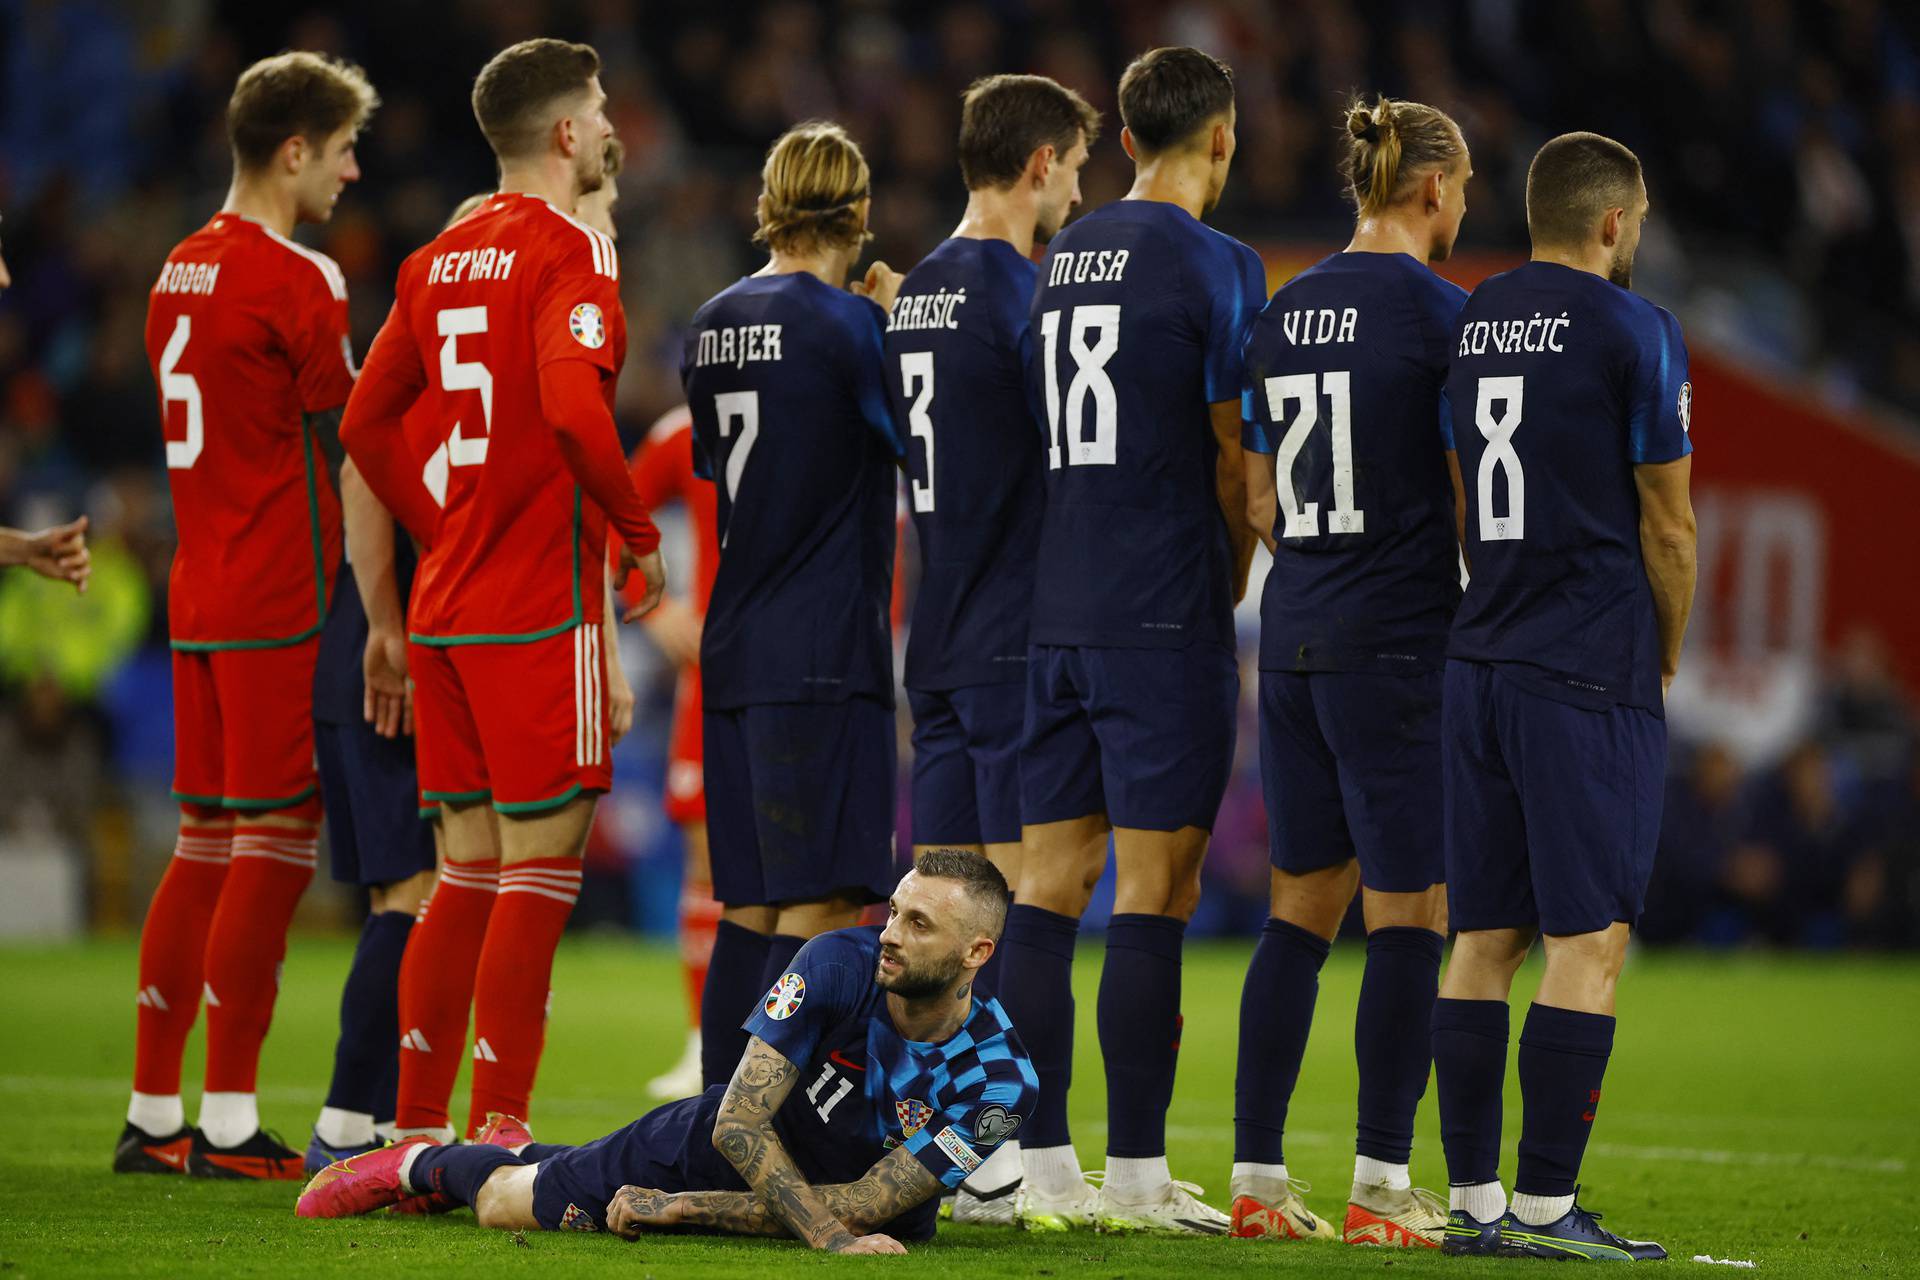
(874, 1078)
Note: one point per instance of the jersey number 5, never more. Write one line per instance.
(1090, 381)
(1303, 518)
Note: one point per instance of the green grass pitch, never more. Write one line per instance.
(1758, 1107)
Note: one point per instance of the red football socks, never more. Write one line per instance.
(436, 989)
(173, 945)
(245, 945)
(516, 970)
(699, 917)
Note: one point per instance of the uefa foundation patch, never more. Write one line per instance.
(957, 1149)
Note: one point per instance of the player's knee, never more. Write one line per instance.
(1597, 956)
(1424, 910)
(1316, 901)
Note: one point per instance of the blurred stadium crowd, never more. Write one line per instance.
(1782, 145)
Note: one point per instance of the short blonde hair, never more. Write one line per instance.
(294, 95)
(810, 190)
(1390, 142)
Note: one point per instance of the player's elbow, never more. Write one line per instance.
(735, 1138)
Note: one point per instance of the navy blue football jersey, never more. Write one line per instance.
(1562, 383)
(339, 676)
(1345, 370)
(1138, 326)
(864, 1089)
(785, 380)
(957, 348)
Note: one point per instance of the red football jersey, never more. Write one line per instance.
(247, 331)
(519, 549)
(662, 472)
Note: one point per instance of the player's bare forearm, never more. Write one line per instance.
(897, 1183)
(1263, 500)
(1230, 479)
(369, 530)
(743, 1133)
(1669, 548)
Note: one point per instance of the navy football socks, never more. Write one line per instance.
(1276, 1009)
(1036, 989)
(457, 1170)
(1397, 993)
(1139, 1019)
(781, 949)
(366, 1058)
(733, 986)
(1469, 1074)
(1563, 1057)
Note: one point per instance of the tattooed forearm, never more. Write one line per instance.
(743, 1133)
(899, 1182)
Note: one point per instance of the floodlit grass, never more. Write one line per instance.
(1758, 1107)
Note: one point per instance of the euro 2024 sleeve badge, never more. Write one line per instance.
(785, 998)
(588, 327)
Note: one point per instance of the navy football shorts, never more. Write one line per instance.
(669, 1149)
(375, 834)
(1552, 810)
(1350, 766)
(800, 801)
(966, 764)
(1143, 735)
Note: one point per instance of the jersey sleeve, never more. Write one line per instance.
(320, 348)
(1256, 426)
(820, 988)
(573, 316)
(984, 1112)
(373, 429)
(662, 465)
(867, 373)
(1659, 395)
(1234, 288)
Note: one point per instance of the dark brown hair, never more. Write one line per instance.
(1167, 94)
(1391, 142)
(1004, 119)
(514, 91)
(294, 95)
(1574, 179)
(985, 886)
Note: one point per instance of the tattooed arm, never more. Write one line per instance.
(897, 1183)
(743, 1133)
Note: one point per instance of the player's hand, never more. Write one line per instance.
(60, 553)
(388, 704)
(675, 627)
(619, 697)
(653, 571)
(873, 1244)
(882, 285)
(636, 1210)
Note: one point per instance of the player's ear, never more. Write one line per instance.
(1040, 164)
(1436, 190)
(293, 153)
(1610, 227)
(1126, 143)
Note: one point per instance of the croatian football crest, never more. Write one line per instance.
(913, 1114)
(577, 1219)
(587, 326)
(785, 997)
(1686, 407)
(994, 1125)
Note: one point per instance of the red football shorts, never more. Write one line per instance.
(243, 726)
(521, 725)
(686, 775)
